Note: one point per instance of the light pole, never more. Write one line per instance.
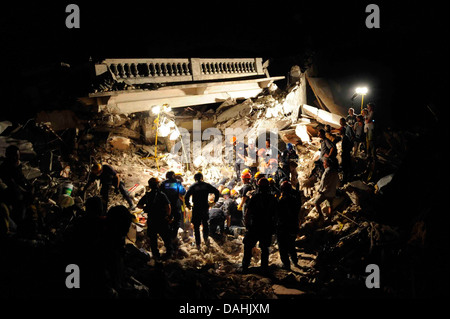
(361, 91)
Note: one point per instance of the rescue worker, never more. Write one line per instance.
(275, 171)
(232, 214)
(240, 153)
(157, 206)
(327, 188)
(244, 191)
(175, 192)
(287, 224)
(252, 157)
(274, 190)
(216, 220)
(199, 192)
(108, 177)
(289, 164)
(259, 220)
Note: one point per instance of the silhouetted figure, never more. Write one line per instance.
(157, 206)
(288, 224)
(199, 192)
(108, 177)
(259, 221)
(174, 191)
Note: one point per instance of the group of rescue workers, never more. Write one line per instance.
(267, 201)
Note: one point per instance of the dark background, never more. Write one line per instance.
(404, 63)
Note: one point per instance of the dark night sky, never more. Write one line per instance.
(404, 63)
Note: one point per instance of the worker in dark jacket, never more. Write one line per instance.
(217, 219)
(288, 224)
(259, 221)
(157, 206)
(174, 191)
(108, 177)
(199, 192)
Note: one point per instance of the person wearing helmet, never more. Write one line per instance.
(273, 187)
(275, 172)
(259, 220)
(244, 191)
(108, 177)
(239, 155)
(157, 206)
(175, 192)
(289, 164)
(199, 191)
(229, 207)
(287, 227)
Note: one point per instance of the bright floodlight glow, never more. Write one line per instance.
(174, 135)
(362, 91)
(156, 109)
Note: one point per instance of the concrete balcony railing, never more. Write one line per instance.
(140, 71)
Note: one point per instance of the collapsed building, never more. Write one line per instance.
(118, 127)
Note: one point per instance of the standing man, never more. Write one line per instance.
(243, 192)
(327, 187)
(252, 157)
(259, 221)
(289, 206)
(157, 206)
(108, 177)
(175, 193)
(199, 192)
(370, 137)
(351, 117)
(240, 153)
(346, 156)
(289, 165)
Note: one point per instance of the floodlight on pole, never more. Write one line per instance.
(361, 91)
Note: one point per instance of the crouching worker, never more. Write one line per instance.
(108, 177)
(216, 220)
(157, 206)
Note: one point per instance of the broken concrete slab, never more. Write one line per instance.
(281, 290)
(119, 143)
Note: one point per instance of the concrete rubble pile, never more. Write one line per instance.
(331, 256)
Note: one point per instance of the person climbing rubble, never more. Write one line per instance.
(327, 188)
(158, 209)
(289, 164)
(287, 224)
(108, 177)
(327, 150)
(259, 220)
(175, 191)
(199, 192)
